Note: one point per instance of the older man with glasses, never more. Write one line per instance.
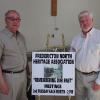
(13, 60)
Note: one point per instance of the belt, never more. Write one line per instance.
(12, 72)
(89, 73)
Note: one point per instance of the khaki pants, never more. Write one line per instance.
(17, 86)
(84, 89)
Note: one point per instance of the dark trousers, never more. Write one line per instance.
(29, 95)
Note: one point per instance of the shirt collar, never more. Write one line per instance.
(89, 33)
(10, 34)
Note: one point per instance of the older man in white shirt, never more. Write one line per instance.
(87, 48)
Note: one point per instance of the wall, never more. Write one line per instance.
(37, 21)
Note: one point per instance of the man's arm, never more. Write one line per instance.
(3, 85)
(96, 84)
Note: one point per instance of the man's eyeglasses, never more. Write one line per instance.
(13, 19)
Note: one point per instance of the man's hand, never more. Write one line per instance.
(95, 86)
(4, 88)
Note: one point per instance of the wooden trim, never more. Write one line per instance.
(53, 7)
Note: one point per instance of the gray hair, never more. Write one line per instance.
(9, 11)
(85, 12)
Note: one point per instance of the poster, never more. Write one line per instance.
(53, 73)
